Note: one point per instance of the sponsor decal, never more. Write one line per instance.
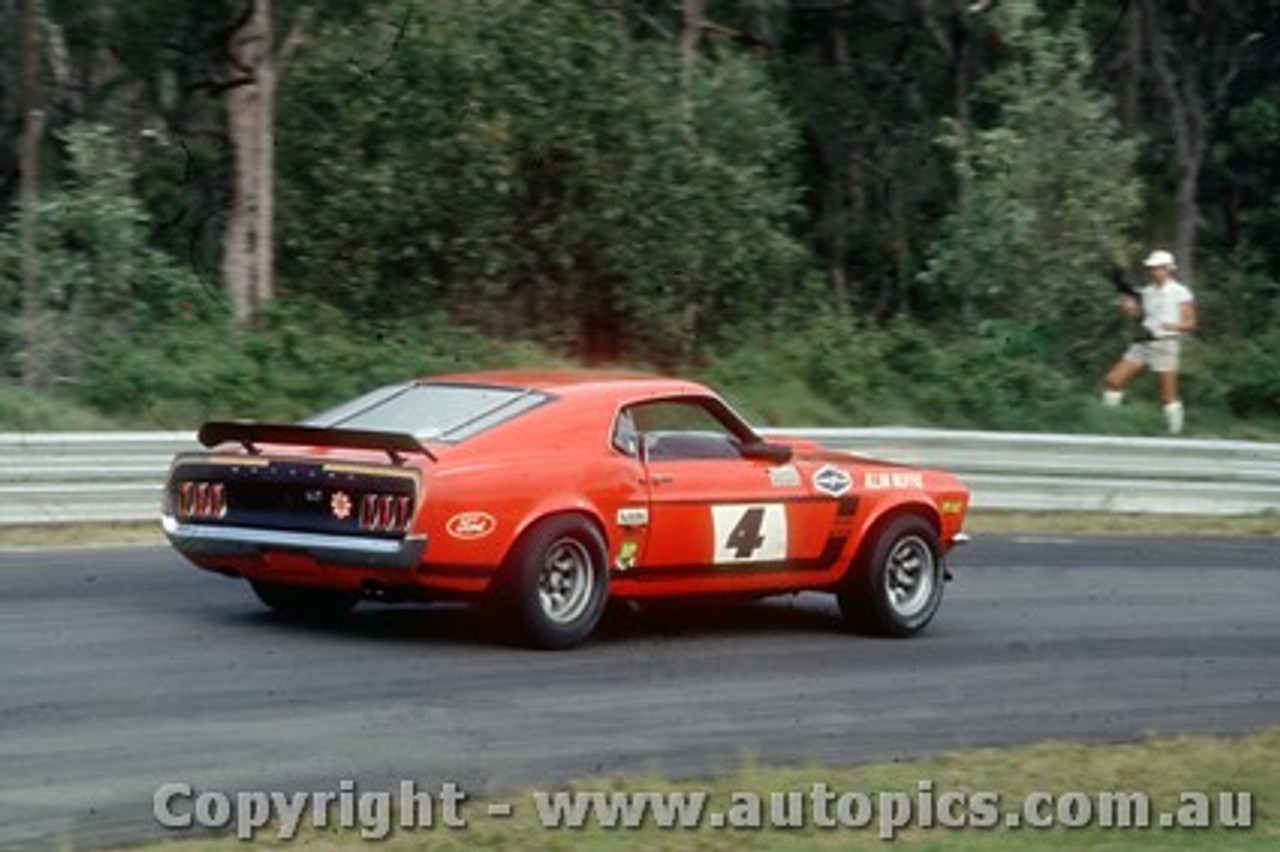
(340, 505)
(951, 507)
(784, 477)
(832, 480)
(471, 525)
(883, 480)
(750, 533)
(627, 555)
(633, 516)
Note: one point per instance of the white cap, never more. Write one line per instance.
(1160, 257)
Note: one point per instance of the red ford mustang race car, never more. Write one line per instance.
(545, 494)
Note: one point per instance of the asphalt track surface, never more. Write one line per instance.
(123, 669)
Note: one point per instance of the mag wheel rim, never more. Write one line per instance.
(566, 581)
(909, 576)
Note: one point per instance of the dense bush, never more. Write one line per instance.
(857, 375)
(303, 357)
(1048, 192)
(516, 165)
(1246, 374)
(500, 182)
(99, 277)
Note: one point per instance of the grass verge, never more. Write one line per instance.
(1109, 523)
(1161, 769)
(53, 536)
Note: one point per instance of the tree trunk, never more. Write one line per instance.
(893, 286)
(237, 236)
(837, 192)
(693, 12)
(953, 34)
(1189, 121)
(692, 18)
(1131, 65)
(1188, 206)
(247, 247)
(34, 363)
(1195, 102)
(265, 152)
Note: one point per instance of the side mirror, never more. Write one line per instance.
(776, 453)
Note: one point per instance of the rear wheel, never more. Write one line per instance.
(897, 588)
(305, 602)
(556, 583)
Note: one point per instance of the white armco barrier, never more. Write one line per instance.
(1083, 473)
(75, 477)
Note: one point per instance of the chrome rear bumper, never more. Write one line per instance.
(208, 540)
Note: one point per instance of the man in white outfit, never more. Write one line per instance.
(1168, 311)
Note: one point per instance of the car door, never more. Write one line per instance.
(712, 507)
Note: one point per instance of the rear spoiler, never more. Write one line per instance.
(249, 434)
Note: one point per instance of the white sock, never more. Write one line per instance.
(1112, 398)
(1173, 413)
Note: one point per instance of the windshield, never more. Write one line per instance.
(430, 411)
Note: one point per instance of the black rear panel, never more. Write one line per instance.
(292, 495)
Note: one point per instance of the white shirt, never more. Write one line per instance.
(1162, 305)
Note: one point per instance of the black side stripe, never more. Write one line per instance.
(823, 562)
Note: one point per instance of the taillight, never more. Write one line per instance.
(202, 500)
(385, 512)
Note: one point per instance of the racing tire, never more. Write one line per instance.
(556, 584)
(305, 603)
(897, 588)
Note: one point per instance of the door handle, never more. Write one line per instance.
(661, 478)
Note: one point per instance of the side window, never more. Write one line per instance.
(677, 429)
(626, 438)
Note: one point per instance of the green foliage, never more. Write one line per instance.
(485, 183)
(1048, 192)
(1249, 156)
(98, 277)
(1247, 375)
(23, 410)
(835, 373)
(514, 164)
(870, 94)
(302, 358)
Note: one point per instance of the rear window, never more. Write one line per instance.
(443, 412)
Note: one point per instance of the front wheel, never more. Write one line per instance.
(304, 602)
(557, 583)
(897, 588)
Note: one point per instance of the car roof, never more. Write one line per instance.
(574, 382)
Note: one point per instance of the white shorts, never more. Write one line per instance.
(1162, 356)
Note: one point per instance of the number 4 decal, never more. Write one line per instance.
(749, 533)
(745, 538)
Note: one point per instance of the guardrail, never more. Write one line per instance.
(116, 476)
(1083, 473)
(72, 477)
